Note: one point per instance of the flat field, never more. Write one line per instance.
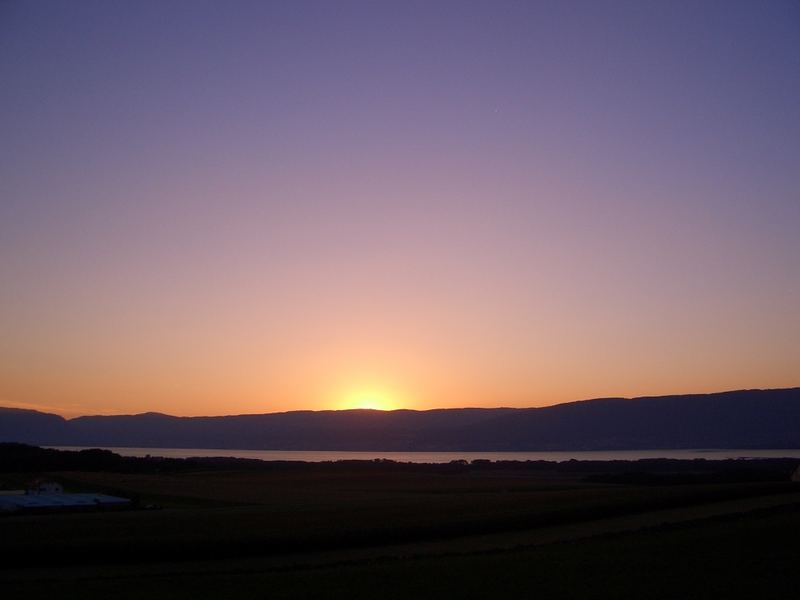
(326, 531)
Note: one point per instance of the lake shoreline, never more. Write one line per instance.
(443, 457)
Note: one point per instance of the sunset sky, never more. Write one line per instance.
(239, 207)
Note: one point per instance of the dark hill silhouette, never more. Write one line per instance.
(17, 424)
(738, 419)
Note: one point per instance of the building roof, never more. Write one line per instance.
(14, 502)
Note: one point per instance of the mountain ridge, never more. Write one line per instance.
(753, 418)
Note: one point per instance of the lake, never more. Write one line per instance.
(444, 457)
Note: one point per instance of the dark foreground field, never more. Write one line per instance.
(393, 531)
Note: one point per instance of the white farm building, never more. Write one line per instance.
(47, 496)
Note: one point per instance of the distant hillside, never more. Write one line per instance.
(740, 419)
(17, 424)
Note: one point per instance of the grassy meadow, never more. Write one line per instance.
(356, 532)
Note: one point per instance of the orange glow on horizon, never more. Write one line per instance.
(373, 398)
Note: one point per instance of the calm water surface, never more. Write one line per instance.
(443, 457)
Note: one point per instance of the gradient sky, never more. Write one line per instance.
(230, 207)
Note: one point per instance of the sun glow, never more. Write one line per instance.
(371, 398)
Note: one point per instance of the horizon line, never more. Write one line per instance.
(42, 410)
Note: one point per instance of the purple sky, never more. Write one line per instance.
(225, 207)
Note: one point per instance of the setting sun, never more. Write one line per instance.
(371, 398)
